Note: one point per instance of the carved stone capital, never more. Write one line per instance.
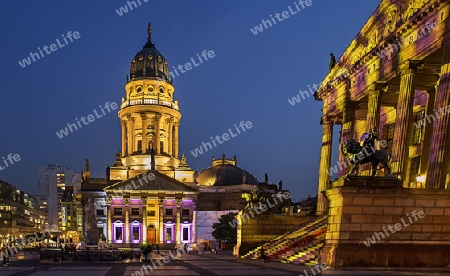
(410, 66)
(377, 87)
(144, 116)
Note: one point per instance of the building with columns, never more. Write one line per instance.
(150, 119)
(150, 194)
(394, 76)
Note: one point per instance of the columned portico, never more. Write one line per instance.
(406, 88)
(149, 208)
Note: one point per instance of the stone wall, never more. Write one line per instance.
(262, 228)
(409, 227)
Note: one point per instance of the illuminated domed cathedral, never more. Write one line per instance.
(151, 195)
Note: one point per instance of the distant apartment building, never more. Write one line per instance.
(20, 216)
(53, 180)
(69, 216)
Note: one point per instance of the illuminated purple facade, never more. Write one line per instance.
(161, 211)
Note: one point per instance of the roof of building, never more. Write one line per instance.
(149, 62)
(224, 172)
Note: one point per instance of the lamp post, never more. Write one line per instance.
(420, 179)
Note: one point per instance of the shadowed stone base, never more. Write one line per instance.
(386, 255)
(409, 227)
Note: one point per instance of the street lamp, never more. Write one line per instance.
(420, 180)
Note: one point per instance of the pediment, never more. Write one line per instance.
(150, 181)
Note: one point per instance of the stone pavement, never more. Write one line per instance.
(203, 265)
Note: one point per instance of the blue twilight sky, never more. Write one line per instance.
(250, 78)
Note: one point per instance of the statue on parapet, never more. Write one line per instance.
(368, 152)
(332, 61)
(253, 198)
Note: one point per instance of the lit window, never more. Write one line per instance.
(117, 211)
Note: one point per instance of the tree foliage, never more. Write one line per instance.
(224, 230)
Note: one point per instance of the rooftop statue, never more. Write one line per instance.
(369, 152)
(332, 61)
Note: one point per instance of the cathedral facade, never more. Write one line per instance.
(151, 195)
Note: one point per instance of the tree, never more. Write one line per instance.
(224, 231)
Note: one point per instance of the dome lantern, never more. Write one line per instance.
(149, 63)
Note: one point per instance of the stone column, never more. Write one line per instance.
(439, 163)
(175, 139)
(194, 224)
(109, 222)
(161, 220)
(374, 106)
(124, 137)
(133, 135)
(178, 221)
(127, 221)
(129, 135)
(158, 133)
(402, 133)
(324, 166)
(347, 133)
(427, 133)
(144, 220)
(170, 136)
(144, 142)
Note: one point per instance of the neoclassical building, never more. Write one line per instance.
(151, 195)
(394, 76)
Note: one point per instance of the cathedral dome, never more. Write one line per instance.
(224, 172)
(149, 62)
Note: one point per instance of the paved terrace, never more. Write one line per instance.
(204, 265)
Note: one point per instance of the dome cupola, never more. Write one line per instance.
(224, 172)
(149, 63)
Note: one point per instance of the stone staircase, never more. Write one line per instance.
(300, 245)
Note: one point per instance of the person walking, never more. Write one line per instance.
(4, 254)
(262, 257)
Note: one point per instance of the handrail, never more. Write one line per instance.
(149, 101)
